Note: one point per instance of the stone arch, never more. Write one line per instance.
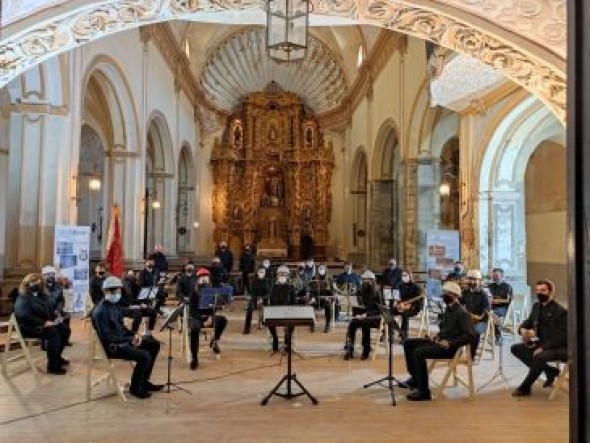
(160, 169)
(501, 206)
(359, 199)
(542, 74)
(185, 200)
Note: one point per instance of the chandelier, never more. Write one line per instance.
(287, 23)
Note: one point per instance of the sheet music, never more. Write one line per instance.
(148, 292)
(289, 312)
(387, 294)
(395, 294)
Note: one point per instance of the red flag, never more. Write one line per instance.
(115, 246)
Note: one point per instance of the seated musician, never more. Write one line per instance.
(544, 336)
(348, 282)
(204, 318)
(501, 297)
(391, 276)
(410, 303)
(55, 291)
(136, 309)
(281, 294)
(149, 277)
(300, 283)
(121, 343)
(259, 293)
(365, 317)
(476, 303)
(455, 330)
(217, 273)
(322, 295)
(38, 317)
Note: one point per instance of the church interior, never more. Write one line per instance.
(397, 118)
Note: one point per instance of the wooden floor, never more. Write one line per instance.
(224, 404)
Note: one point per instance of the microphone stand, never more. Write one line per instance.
(168, 325)
(389, 320)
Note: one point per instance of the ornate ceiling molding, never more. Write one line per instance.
(91, 21)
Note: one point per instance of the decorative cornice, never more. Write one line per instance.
(39, 108)
(89, 22)
(161, 175)
(120, 153)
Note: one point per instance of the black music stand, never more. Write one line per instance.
(389, 320)
(289, 377)
(168, 324)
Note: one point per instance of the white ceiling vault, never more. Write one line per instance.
(241, 65)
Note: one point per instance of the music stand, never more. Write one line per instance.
(289, 377)
(168, 324)
(499, 374)
(389, 320)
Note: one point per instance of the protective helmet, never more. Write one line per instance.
(112, 283)
(203, 272)
(283, 270)
(474, 273)
(368, 275)
(48, 270)
(452, 287)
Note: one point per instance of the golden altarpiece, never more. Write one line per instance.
(272, 176)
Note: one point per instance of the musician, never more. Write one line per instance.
(203, 317)
(282, 293)
(134, 308)
(410, 304)
(322, 295)
(247, 266)
(348, 276)
(458, 273)
(366, 316)
(55, 292)
(218, 273)
(149, 277)
(310, 269)
(455, 330)
(476, 303)
(226, 257)
(38, 317)
(544, 336)
(121, 343)
(96, 283)
(501, 297)
(259, 293)
(391, 276)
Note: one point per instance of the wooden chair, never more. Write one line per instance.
(14, 337)
(562, 381)
(382, 331)
(461, 358)
(88, 306)
(487, 342)
(96, 353)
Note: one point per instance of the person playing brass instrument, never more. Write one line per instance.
(411, 302)
(366, 317)
(477, 303)
(321, 294)
(544, 336)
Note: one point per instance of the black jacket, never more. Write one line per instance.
(501, 291)
(96, 292)
(219, 276)
(148, 278)
(32, 312)
(160, 262)
(283, 294)
(186, 286)
(409, 291)
(456, 326)
(56, 296)
(227, 259)
(107, 319)
(370, 299)
(247, 263)
(476, 302)
(132, 288)
(550, 323)
(391, 277)
(260, 287)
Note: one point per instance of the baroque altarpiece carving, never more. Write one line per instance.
(272, 176)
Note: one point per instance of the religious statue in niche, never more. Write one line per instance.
(308, 137)
(237, 136)
(273, 191)
(237, 214)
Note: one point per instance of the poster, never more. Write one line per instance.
(72, 258)
(443, 249)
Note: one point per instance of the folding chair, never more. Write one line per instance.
(461, 358)
(382, 331)
(487, 343)
(15, 337)
(562, 379)
(97, 354)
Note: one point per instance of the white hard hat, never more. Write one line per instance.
(112, 283)
(452, 287)
(283, 270)
(48, 270)
(368, 275)
(474, 273)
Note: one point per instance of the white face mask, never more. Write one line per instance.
(266, 264)
(348, 269)
(405, 278)
(261, 274)
(113, 298)
(203, 281)
(282, 279)
(322, 271)
(309, 264)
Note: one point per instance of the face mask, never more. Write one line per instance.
(366, 286)
(34, 287)
(543, 298)
(472, 285)
(266, 264)
(282, 279)
(348, 270)
(497, 279)
(203, 281)
(448, 299)
(247, 251)
(309, 264)
(405, 278)
(457, 269)
(100, 273)
(261, 274)
(322, 272)
(50, 281)
(391, 266)
(113, 298)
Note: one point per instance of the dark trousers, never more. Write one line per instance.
(144, 357)
(365, 324)
(246, 281)
(220, 322)
(417, 351)
(405, 315)
(53, 340)
(139, 314)
(275, 337)
(537, 363)
(252, 306)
